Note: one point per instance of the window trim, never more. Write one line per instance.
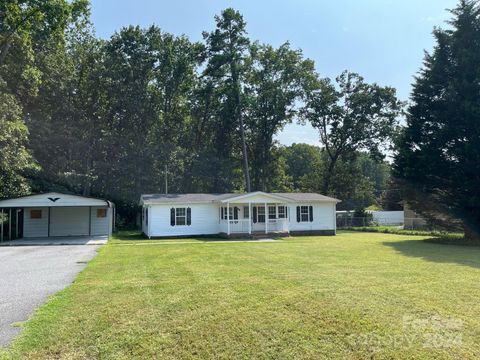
(260, 213)
(246, 212)
(184, 216)
(303, 213)
(272, 216)
(187, 216)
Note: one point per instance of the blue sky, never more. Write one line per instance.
(383, 40)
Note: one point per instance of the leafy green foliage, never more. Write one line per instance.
(15, 160)
(352, 116)
(113, 118)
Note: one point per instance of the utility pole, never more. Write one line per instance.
(166, 179)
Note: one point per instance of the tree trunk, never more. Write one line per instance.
(328, 175)
(239, 118)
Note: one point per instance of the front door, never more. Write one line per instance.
(258, 218)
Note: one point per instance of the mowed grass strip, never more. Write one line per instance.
(303, 297)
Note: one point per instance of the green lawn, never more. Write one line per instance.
(355, 295)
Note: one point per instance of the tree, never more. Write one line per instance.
(226, 51)
(65, 113)
(392, 197)
(29, 20)
(355, 117)
(438, 156)
(28, 29)
(304, 166)
(15, 160)
(275, 80)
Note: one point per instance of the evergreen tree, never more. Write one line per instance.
(226, 52)
(438, 155)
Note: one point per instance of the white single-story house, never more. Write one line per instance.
(166, 215)
(55, 214)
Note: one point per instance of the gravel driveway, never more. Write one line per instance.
(29, 274)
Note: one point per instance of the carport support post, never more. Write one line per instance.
(10, 224)
(89, 221)
(48, 224)
(1, 225)
(16, 224)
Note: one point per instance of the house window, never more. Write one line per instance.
(233, 212)
(272, 212)
(246, 212)
(35, 214)
(101, 213)
(180, 216)
(261, 214)
(304, 213)
(146, 216)
(282, 212)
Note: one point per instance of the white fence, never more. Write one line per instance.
(388, 217)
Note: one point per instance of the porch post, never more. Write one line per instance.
(1, 224)
(228, 218)
(249, 218)
(266, 218)
(16, 224)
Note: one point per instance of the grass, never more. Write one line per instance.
(355, 295)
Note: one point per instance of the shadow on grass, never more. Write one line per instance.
(129, 235)
(432, 250)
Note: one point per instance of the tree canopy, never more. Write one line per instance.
(113, 118)
(438, 154)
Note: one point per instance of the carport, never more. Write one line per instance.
(55, 215)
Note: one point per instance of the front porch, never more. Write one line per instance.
(238, 218)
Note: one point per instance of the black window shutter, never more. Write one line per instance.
(189, 216)
(254, 214)
(222, 212)
(172, 216)
(298, 213)
(311, 213)
(235, 213)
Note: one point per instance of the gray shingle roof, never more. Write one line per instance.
(205, 198)
(307, 197)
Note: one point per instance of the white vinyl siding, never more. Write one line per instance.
(67, 221)
(35, 227)
(205, 220)
(100, 225)
(323, 217)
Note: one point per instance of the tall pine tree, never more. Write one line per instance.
(438, 156)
